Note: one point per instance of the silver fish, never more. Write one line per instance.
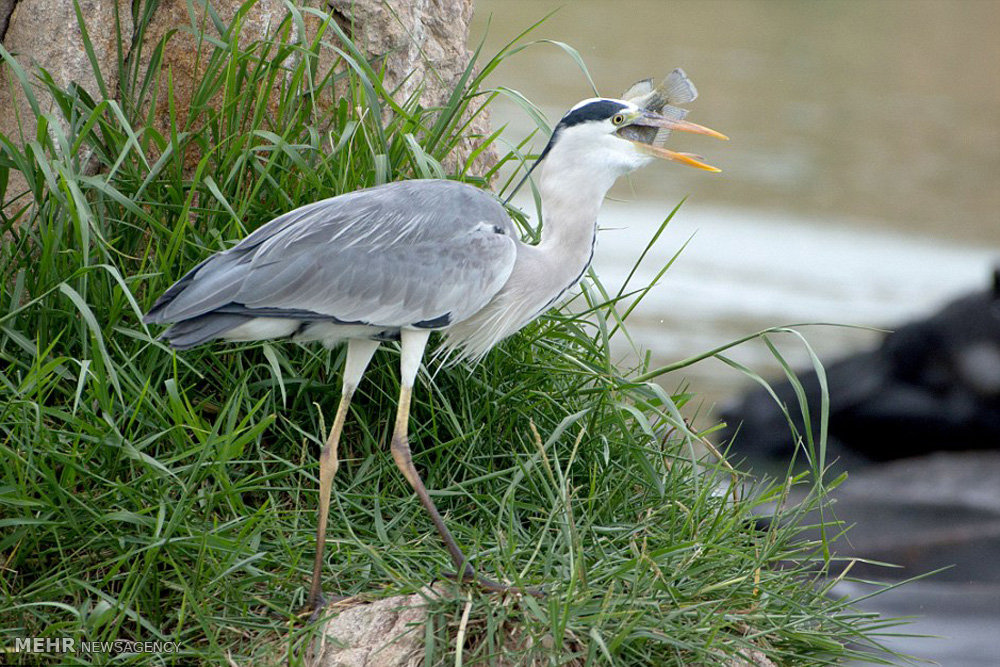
(676, 88)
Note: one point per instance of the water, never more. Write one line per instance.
(744, 271)
(859, 186)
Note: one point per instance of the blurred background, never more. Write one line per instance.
(860, 187)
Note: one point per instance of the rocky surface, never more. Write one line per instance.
(420, 43)
(423, 47)
(181, 31)
(752, 659)
(932, 384)
(28, 36)
(6, 8)
(390, 633)
(384, 633)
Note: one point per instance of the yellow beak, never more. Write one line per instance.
(667, 154)
(650, 119)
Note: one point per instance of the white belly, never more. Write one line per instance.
(261, 328)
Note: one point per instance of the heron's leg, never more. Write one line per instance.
(359, 353)
(412, 349)
(412, 345)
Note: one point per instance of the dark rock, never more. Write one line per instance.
(932, 385)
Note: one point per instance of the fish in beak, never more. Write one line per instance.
(661, 115)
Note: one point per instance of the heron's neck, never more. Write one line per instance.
(572, 193)
(571, 200)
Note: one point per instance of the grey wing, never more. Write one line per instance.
(423, 253)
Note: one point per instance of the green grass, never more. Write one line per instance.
(157, 496)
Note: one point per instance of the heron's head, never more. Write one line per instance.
(600, 134)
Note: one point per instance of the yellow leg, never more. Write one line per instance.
(412, 349)
(359, 353)
(328, 464)
(404, 461)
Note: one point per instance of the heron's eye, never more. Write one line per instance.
(618, 118)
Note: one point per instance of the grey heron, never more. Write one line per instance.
(401, 260)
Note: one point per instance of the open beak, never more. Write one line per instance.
(667, 154)
(650, 119)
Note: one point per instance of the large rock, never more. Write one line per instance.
(46, 33)
(420, 43)
(185, 53)
(420, 46)
(384, 633)
(932, 385)
(423, 46)
(6, 9)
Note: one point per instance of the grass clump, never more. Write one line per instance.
(160, 497)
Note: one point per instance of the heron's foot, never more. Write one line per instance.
(317, 604)
(470, 576)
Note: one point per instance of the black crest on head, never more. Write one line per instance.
(596, 110)
(599, 109)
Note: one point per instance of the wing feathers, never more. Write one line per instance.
(391, 256)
